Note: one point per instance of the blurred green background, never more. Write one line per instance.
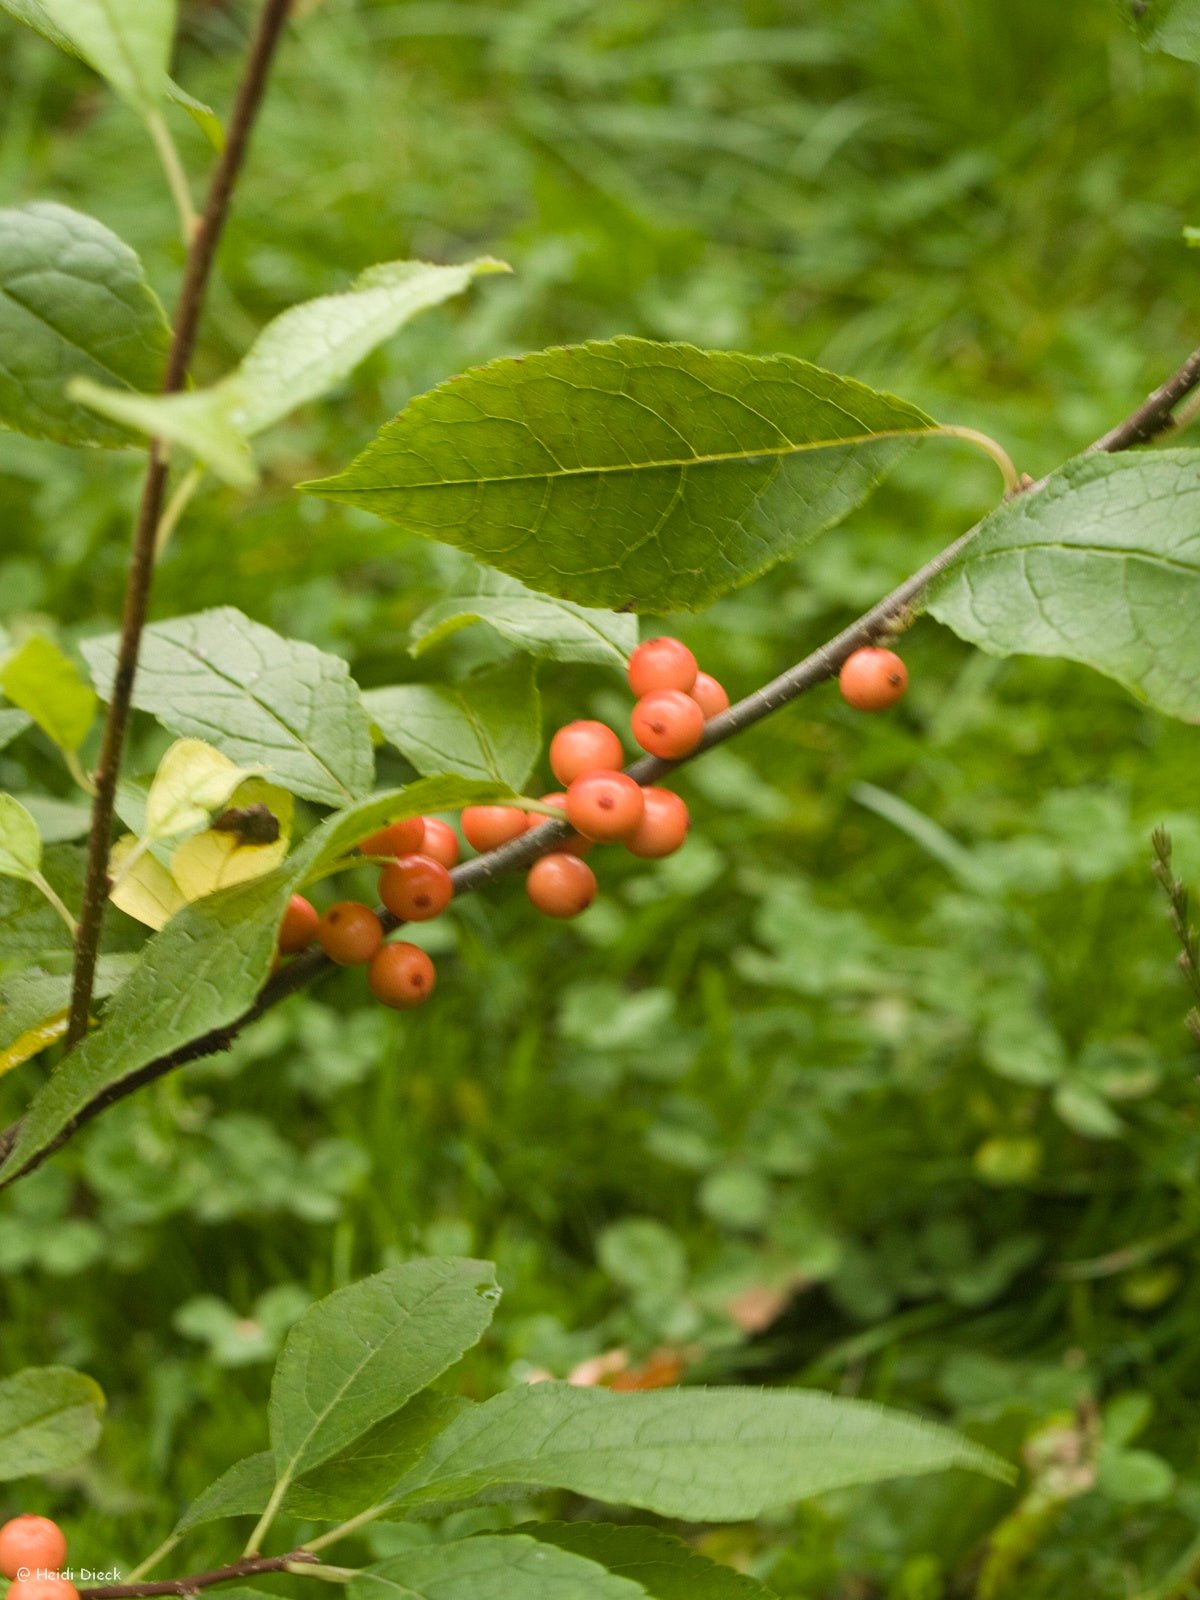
(881, 1084)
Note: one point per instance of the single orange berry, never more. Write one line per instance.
(33, 1542)
(47, 1588)
(416, 888)
(663, 828)
(350, 933)
(872, 679)
(441, 842)
(584, 747)
(299, 926)
(709, 695)
(574, 844)
(561, 885)
(401, 976)
(605, 805)
(397, 839)
(668, 723)
(487, 827)
(661, 664)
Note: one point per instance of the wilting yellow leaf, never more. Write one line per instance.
(32, 1040)
(144, 890)
(219, 857)
(192, 782)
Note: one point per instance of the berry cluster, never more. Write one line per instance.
(33, 1551)
(603, 804)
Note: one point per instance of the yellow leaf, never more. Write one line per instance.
(219, 857)
(192, 782)
(144, 890)
(32, 1040)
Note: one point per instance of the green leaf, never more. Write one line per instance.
(540, 624)
(205, 968)
(719, 1455)
(640, 476)
(49, 1418)
(357, 1477)
(490, 1567)
(45, 682)
(1101, 566)
(31, 998)
(1172, 26)
(357, 1356)
(29, 927)
(74, 302)
(486, 727)
(264, 701)
(20, 842)
(301, 355)
(663, 1565)
(128, 42)
(12, 723)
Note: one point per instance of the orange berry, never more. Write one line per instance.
(401, 976)
(661, 664)
(668, 723)
(397, 839)
(441, 842)
(872, 679)
(574, 844)
(605, 805)
(350, 933)
(416, 888)
(584, 747)
(663, 828)
(561, 885)
(48, 1588)
(709, 695)
(299, 926)
(486, 827)
(33, 1542)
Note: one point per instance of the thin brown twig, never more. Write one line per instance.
(197, 271)
(251, 1567)
(817, 668)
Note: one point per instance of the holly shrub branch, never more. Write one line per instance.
(201, 255)
(1148, 421)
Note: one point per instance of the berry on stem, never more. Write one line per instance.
(709, 695)
(51, 1587)
(296, 932)
(401, 976)
(33, 1542)
(441, 842)
(584, 747)
(661, 664)
(668, 723)
(604, 805)
(416, 888)
(397, 839)
(487, 827)
(561, 885)
(574, 844)
(872, 679)
(663, 828)
(350, 933)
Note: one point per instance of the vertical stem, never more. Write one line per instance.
(197, 269)
(176, 177)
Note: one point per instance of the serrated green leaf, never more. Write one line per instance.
(540, 624)
(45, 682)
(1172, 26)
(49, 1418)
(719, 1455)
(20, 842)
(1101, 566)
(30, 998)
(128, 42)
(241, 1491)
(639, 476)
(205, 968)
(663, 1565)
(486, 727)
(264, 701)
(357, 1356)
(490, 1567)
(74, 302)
(306, 351)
